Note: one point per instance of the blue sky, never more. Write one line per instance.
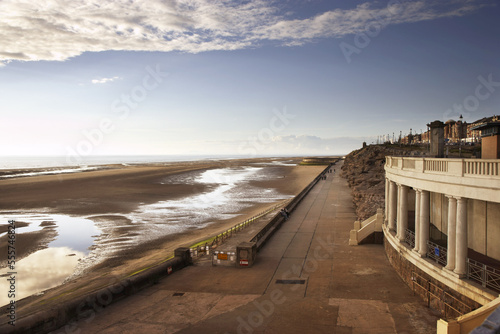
(206, 77)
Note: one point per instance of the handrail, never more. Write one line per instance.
(453, 307)
(470, 322)
(368, 221)
(365, 228)
(204, 247)
(487, 276)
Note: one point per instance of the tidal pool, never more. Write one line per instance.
(61, 242)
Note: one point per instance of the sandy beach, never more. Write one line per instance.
(112, 192)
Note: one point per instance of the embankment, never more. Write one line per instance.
(364, 171)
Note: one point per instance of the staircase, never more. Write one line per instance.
(363, 230)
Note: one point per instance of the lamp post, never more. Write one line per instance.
(460, 136)
(428, 139)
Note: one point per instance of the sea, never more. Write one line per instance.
(24, 162)
(77, 243)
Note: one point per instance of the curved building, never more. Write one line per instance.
(442, 233)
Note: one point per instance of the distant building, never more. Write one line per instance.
(475, 134)
(490, 140)
(454, 132)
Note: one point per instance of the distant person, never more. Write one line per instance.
(284, 213)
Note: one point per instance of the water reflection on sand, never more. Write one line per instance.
(230, 193)
(48, 250)
(42, 270)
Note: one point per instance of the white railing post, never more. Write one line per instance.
(353, 238)
(484, 276)
(357, 225)
(379, 220)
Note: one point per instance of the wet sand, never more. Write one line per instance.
(121, 190)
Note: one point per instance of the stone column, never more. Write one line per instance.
(393, 205)
(424, 223)
(418, 192)
(452, 235)
(403, 209)
(398, 213)
(461, 243)
(386, 212)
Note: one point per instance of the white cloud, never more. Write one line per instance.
(58, 30)
(338, 23)
(104, 80)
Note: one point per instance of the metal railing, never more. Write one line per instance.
(483, 274)
(487, 276)
(437, 253)
(261, 237)
(410, 238)
(205, 247)
(437, 298)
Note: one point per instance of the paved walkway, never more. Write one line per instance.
(306, 280)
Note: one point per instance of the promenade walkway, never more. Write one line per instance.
(306, 280)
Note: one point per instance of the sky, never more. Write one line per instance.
(205, 77)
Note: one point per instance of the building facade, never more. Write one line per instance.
(454, 132)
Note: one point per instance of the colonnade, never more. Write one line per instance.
(396, 213)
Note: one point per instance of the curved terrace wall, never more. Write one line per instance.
(461, 199)
(471, 178)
